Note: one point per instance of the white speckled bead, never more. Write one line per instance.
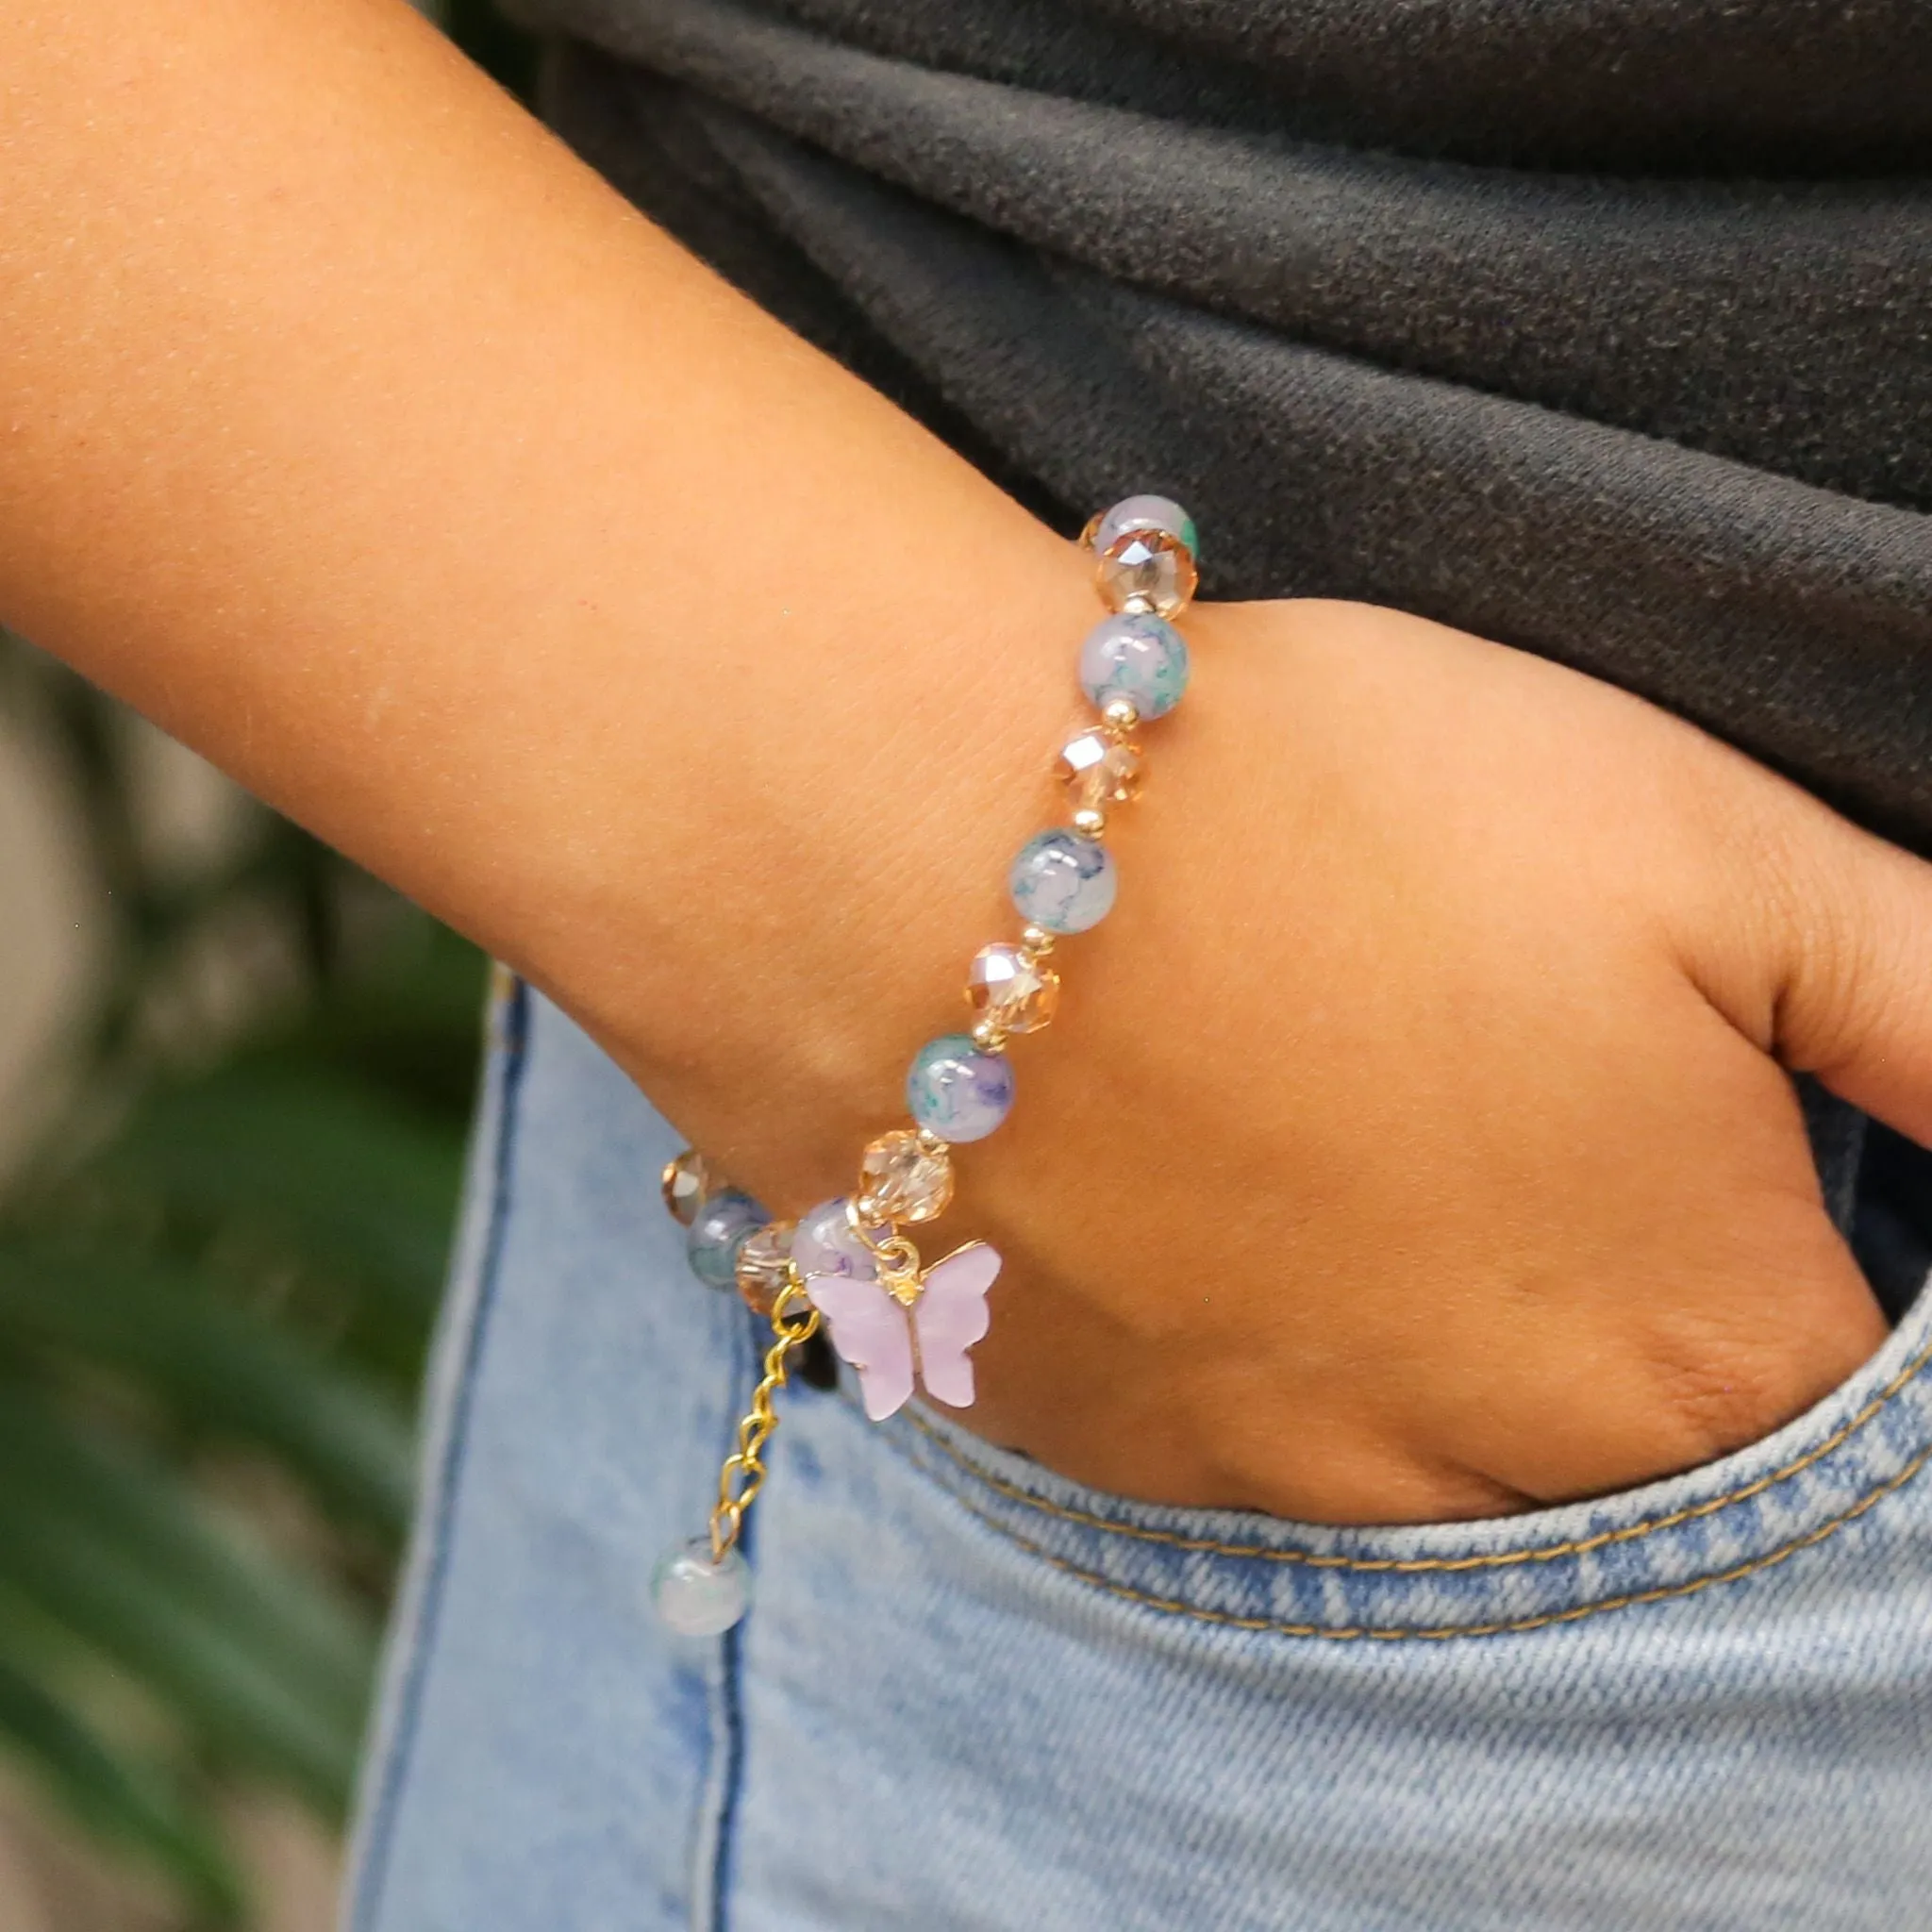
(1145, 513)
(697, 1596)
(1062, 882)
(1143, 659)
(958, 1089)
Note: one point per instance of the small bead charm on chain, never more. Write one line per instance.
(849, 1263)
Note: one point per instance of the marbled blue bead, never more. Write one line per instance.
(723, 1225)
(827, 1243)
(1062, 882)
(1143, 659)
(1148, 513)
(958, 1089)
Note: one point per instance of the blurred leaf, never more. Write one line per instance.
(406, 1029)
(218, 1367)
(117, 1551)
(116, 1797)
(243, 1260)
(311, 1160)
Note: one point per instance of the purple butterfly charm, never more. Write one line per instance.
(922, 1331)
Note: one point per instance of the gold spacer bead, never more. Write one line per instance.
(1036, 941)
(1089, 822)
(931, 1142)
(987, 1036)
(1120, 716)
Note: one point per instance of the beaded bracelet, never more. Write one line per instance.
(848, 1263)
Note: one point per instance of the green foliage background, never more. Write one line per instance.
(217, 1279)
(218, 1275)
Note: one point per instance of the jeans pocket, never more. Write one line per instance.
(1717, 1525)
(974, 1694)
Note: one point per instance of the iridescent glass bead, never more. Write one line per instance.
(1143, 659)
(764, 1265)
(723, 1224)
(1146, 572)
(1145, 513)
(698, 1595)
(903, 1179)
(1010, 989)
(685, 1182)
(958, 1089)
(1062, 882)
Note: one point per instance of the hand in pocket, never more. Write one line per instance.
(1417, 1142)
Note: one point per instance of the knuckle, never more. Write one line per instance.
(1796, 886)
(1720, 1400)
(1850, 963)
(1754, 911)
(1735, 1367)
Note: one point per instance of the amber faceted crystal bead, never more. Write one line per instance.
(764, 1265)
(904, 1177)
(1010, 989)
(1146, 572)
(687, 1183)
(1099, 770)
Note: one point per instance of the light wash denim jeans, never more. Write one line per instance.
(973, 1695)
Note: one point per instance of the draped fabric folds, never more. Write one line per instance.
(1420, 303)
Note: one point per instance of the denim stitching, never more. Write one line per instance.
(374, 1875)
(1414, 1565)
(1442, 1633)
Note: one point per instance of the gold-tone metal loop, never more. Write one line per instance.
(897, 1257)
(893, 1251)
(794, 1322)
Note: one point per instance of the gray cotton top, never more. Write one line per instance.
(1603, 327)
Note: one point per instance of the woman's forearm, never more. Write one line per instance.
(358, 434)
(1413, 1140)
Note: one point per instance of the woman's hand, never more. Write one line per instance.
(1414, 1139)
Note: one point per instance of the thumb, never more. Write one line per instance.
(1856, 1002)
